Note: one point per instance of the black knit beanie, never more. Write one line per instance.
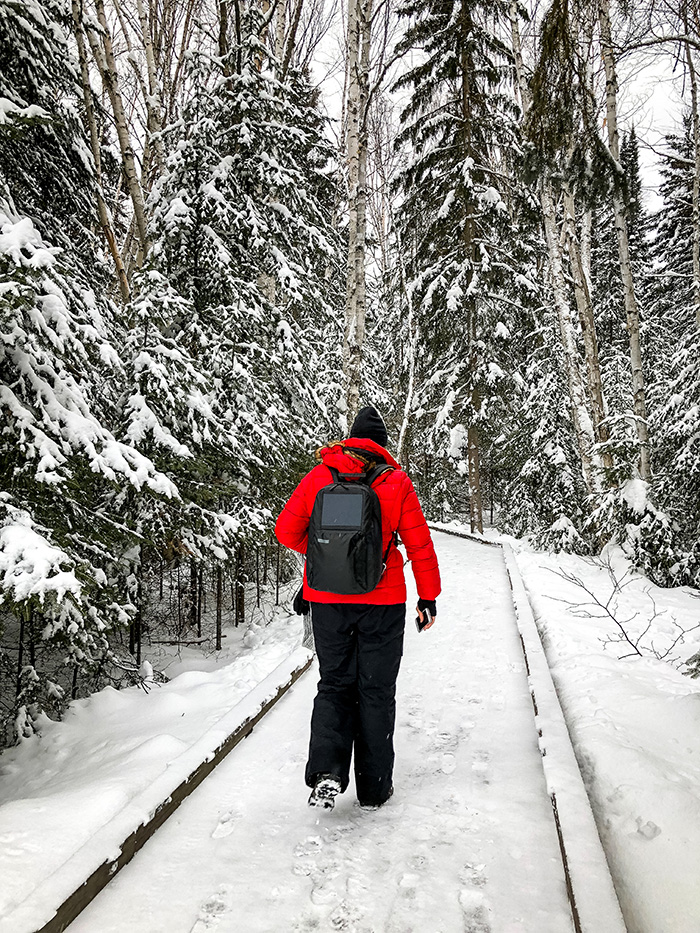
(368, 423)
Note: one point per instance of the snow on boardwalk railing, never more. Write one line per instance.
(594, 904)
(63, 895)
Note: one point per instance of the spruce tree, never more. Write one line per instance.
(460, 227)
(60, 376)
(677, 395)
(241, 232)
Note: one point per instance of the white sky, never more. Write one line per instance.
(650, 98)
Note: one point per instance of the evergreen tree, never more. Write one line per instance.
(677, 394)
(241, 232)
(460, 224)
(60, 375)
(44, 161)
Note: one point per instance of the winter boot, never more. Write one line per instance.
(326, 789)
(371, 805)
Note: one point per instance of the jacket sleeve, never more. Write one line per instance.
(415, 535)
(292, 527)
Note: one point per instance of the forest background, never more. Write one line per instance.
(202, 277)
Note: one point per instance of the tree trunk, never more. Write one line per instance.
(104, 59)
(154, 102)
(695, 117)
(200, 600)
(280, 24)
(588, 330)
(25, 615)
(223, 31)
(411, 351)
(471, 253)
(632, 311)
(277, 579)
(240, 586)
(359, 21)
(219, 600)
(103, 212)
(194, 594)
(291, 39)
(476, 520)
(583, 425)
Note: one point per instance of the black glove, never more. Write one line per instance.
(427, 612)
(300, 605)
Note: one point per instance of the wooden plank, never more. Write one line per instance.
(594, 904)
(91, 887)
(589, 885)
(464, 534)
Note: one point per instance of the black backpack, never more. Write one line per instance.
(344, 553)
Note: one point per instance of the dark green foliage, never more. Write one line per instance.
(44, 161)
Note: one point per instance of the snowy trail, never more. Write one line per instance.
(466, 845)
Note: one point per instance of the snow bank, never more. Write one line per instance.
(69, 798)
(634, 722)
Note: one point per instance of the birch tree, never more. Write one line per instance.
(359, 26)
(582, 401)
(631, 309)
(103, 211)
(103, 53)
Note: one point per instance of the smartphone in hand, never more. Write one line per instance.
(424, 619)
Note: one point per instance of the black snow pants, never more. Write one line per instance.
(359, 650)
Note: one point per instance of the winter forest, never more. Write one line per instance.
(225, 226)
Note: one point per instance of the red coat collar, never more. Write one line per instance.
(345, 463)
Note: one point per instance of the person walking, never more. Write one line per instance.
(359, 637)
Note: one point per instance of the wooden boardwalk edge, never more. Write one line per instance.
(76, 902)
(591, 892)
(594, 903)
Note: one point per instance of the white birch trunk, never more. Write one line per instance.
(582, 421)
(695, 117)
(631, 309)
(154, 101)
(103, 211)
(280, 26)
(410, 390)
(104, 59)
(582, 294)
(583, 425)
(359, 21)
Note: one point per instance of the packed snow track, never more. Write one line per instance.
(468, 843)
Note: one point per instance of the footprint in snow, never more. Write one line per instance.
(475, 911)
(473, 875)
(227, 824)
(480, 766)
(448, 764)
(408, 902)
(212, 910)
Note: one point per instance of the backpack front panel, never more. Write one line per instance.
(344, 552)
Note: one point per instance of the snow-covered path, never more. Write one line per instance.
(467, 843)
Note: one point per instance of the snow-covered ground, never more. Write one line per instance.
(635, 725)
(70, 798)
(466, 843)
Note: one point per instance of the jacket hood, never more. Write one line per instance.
(345, 463)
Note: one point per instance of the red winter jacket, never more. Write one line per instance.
(401, 512)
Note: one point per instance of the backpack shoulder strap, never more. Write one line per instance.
(334, 473)
(377, 471)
